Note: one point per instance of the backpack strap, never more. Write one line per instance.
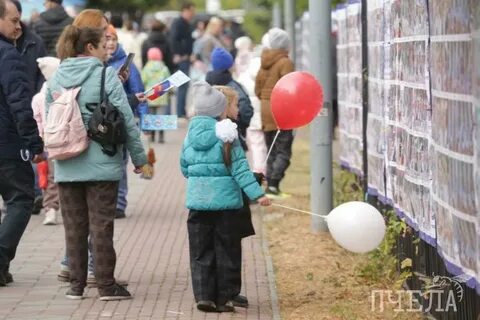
(103, 95)
(109, 150)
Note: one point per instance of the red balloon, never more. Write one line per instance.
(296, 100)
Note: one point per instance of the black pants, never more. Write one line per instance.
(215, 255)
(279, 159)
(16, 188)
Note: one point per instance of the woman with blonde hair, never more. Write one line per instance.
(209, 41)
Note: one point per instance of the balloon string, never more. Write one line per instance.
(271, 148)
(302, 211)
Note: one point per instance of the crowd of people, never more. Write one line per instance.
(60, 63)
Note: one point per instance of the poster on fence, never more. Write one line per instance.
(407, 113)
(453, 143)
(376, 99)
(423, 127)
(349, 75)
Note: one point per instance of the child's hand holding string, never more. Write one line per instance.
(264, 201)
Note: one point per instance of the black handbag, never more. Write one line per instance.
(107, 124)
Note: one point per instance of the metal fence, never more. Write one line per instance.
(422, 146)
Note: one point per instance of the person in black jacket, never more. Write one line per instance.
(182, 46)
(51, 24)
(222, 61)
(158, 39)
(31, 48)
(19, 140)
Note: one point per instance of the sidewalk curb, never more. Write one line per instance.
(270, 273)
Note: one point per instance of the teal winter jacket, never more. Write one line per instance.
(93, 164)
(211, 185)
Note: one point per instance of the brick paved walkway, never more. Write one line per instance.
(152, 254)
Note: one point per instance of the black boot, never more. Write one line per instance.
(152, 136)
(161, 136)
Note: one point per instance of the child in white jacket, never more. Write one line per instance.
(247, 69)
(51, 202)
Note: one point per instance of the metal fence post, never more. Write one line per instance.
(364, 16)
(321, 128)
(277, 15)
(290, 14)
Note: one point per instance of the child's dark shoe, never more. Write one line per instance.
(207, 306)
(227, 307)
(240, 301)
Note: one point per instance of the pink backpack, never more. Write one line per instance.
(64, 133)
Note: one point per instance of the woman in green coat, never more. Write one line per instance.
(88, 183)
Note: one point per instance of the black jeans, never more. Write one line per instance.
(17, 190)
(215, 255)
(279, 159)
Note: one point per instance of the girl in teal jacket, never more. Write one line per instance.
(217, 171)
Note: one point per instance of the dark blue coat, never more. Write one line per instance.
(31, 48)
(245, 109)
(181, 40)
(134, 84)
(18, 129)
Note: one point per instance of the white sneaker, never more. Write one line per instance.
(50, 217)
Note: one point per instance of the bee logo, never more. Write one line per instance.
(443, 282)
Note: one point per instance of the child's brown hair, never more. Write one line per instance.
(231, 96)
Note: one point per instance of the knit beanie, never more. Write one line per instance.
(221, 59)
(48, 66)
(154, 54)
(208, 101)
(243, 43)
(278, 39)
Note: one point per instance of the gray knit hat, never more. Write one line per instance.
(207, 100)
(278, 39)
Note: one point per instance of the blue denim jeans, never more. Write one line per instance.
(123, 186)
(91, 268)
(184, 66)
(16, 189)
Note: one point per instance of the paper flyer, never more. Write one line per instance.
(153, 122)
(175, 80)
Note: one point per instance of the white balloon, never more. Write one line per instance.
(357, 226)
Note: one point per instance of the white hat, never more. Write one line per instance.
(278, 39)
(243, 43)
(48, 66)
